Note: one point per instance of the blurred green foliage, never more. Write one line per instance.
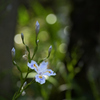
(23, 20)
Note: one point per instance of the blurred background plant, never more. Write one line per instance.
(71, 27)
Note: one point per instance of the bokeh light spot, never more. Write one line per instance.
(17, 39)
(43, 36)
(62, 48)
(51, 19)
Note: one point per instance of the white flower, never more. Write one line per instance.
(41, 71)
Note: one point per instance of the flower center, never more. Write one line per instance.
(40, 73)
(40, 76)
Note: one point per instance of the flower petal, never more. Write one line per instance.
(43, 66)
(49, 72)
(40, 79)
(33, 65)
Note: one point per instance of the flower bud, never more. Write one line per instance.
(23, 93)
(37, 27)
(24, 84)
(22, 36)
(24, 57)
(14, 62)
(13, 52)
(37, 41)
(50, 48)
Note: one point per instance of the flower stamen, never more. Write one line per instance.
(35, 66)
(48, 71)
(40, 76)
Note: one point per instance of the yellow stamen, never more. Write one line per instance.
(48, 71)
(40, 76)
(35, 66)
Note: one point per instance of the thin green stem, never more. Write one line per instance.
(68, 95)
(15, 95)
(44, 59)
(23, 89)
(14, 63)
(27, 48)
(36, 48)
(93, 87)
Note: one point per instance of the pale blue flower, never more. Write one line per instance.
(41, 71)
